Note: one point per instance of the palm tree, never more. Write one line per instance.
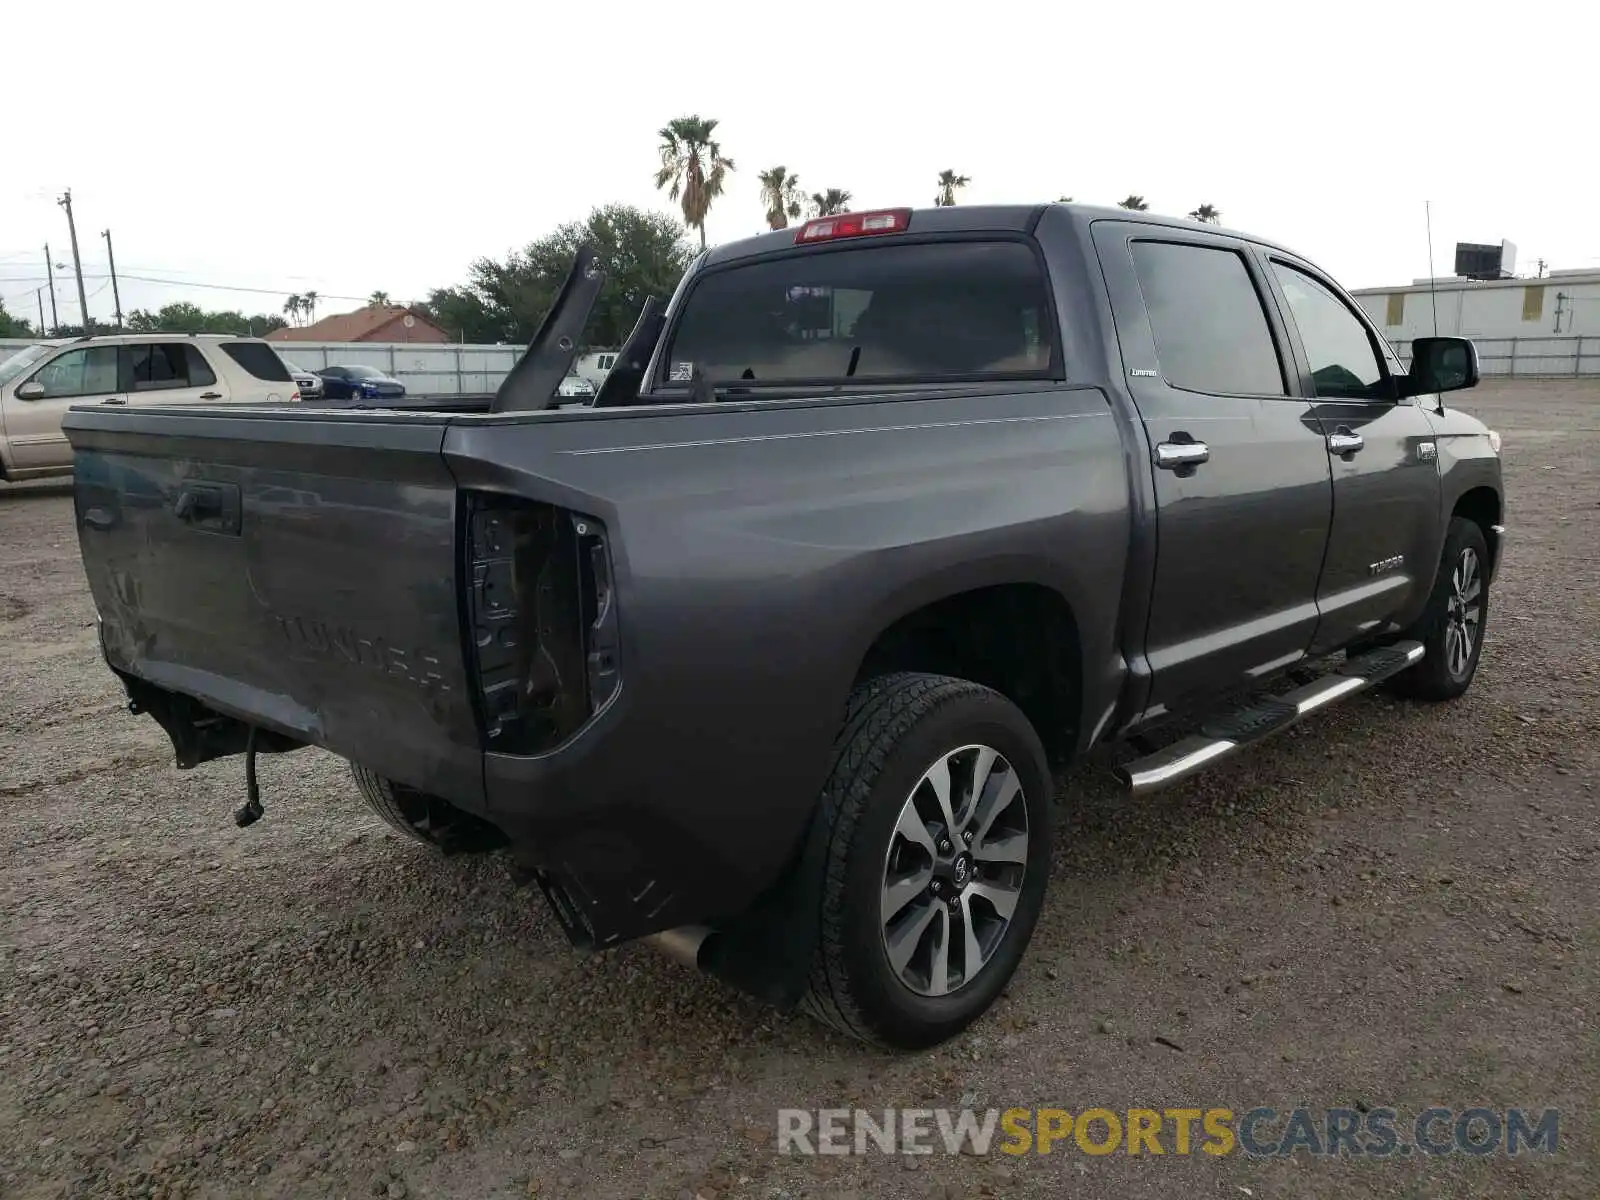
(293, 306)
(780, 192)
(1208, 214)
(692, 168)
(830, 203)
(309, 303)
(378, 300)
(1135, 202)
(949, 181)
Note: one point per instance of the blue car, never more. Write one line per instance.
(359, 383)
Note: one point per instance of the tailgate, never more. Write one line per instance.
(294, 570)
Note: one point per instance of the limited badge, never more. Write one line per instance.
(682, 372)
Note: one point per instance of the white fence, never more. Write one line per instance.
(1531, 357)
(426, 368)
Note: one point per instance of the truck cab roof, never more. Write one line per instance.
(974, 218)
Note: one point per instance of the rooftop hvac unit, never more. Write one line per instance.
(1475, 260)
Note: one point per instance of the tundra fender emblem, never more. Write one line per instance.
(1386, 564)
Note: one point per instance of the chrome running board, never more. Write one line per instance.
(1220, 737)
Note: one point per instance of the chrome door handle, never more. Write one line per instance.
(1170, 456)
(211, 395)
(114, 400)
(1342, 441)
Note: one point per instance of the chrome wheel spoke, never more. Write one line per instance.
(1000, 796)
(938, 778)
(939, 968)
(1471, 591)
(1008, 848)
(897, 893)
(904, 940)
(915, 830)
(972, 955)
(1003, 897)
(982, 765)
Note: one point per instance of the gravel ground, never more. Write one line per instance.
(1392, 905)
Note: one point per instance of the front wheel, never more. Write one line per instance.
(938, 855)
(1452, 626)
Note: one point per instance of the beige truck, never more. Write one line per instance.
(40, 381)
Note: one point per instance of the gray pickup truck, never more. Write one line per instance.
(770, 651)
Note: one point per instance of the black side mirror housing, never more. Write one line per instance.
(1440, 364)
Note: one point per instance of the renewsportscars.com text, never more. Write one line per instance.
(1260, 1132)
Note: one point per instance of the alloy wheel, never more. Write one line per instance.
(1463, 613)
(954, 869)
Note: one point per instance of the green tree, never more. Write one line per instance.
(949, 184)
(693, 169)
(1065, 200)
(830, 203)
(184, 317)
(644, 254)
(378, 300)
(1135, 202)
(1207, 214)
(13, 327)
(780, 192)
(294, 306)
(464, 314)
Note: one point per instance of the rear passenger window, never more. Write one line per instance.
(1210, 330)
(200, 372)
(259, 360)
(162, 365)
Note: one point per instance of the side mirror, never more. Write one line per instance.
(1440, 364)
(32, 390)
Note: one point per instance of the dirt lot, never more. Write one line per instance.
(1391, 906)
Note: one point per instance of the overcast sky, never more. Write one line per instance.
(350, 147)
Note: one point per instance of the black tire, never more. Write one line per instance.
(895, 727)
(424, 818)
(1436, 677)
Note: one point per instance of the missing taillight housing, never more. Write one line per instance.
(541, 621)
(853, 225)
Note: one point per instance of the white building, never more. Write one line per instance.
(1561, 304)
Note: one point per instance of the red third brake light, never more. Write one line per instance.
(854, 225)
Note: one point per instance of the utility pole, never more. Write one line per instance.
(1541, 265)
(77, 263)
(116, 297)
(50, 274)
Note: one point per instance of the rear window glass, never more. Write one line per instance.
(259, 359)
(869, 313)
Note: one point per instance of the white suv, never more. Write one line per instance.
(38, 383)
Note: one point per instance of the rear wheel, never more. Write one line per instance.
(425, 818)
(1453, 624)
(938, 856)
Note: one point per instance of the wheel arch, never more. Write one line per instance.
(1019, 637)
(1483, 506)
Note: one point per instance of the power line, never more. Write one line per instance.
(184, 283)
